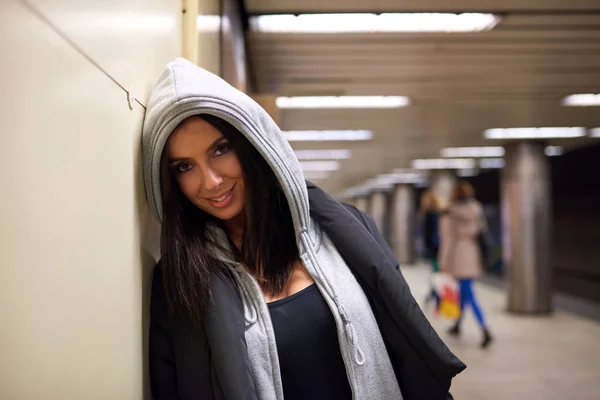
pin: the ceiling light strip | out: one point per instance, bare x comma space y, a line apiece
342, 102
312, 166
582, 100
320, 136
338, 154
444, 163
369, 23
535, 133
461, 152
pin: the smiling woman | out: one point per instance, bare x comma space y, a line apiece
213, 177
206, 168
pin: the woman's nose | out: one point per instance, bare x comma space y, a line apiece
212, 179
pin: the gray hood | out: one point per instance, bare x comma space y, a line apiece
185, 89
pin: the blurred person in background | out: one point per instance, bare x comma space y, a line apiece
460, 254
430, 212
267, 287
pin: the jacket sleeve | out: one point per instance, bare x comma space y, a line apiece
369, 223
163, 379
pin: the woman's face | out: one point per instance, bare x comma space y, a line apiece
206, 168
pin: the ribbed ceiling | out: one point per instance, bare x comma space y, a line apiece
459, 84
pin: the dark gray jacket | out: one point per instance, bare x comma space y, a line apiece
212, 363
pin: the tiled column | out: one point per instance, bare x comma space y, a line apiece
526, 215
378, 208
403, 217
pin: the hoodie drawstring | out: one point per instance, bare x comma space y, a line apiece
359, 356
357, 353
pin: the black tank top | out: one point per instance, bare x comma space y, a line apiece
310, 360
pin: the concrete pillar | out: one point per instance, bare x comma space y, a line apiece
361, 203
403, 224
442, 184
526, 215
378, 209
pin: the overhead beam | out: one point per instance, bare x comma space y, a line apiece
379, 6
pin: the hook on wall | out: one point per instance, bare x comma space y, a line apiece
130, 98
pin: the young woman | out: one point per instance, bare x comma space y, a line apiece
267, 287
460, 254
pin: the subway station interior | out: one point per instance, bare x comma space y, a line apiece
383, 102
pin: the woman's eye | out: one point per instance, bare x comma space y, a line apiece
222, 149
183, 167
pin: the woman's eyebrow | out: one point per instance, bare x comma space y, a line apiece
172, 160
214, 144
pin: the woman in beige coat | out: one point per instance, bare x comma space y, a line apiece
460, 255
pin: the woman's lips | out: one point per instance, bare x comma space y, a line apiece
222, 200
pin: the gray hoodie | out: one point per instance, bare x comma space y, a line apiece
184, 90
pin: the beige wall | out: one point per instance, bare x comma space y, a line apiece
74, 267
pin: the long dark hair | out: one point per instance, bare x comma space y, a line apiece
268, 248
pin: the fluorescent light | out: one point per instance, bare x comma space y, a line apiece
444, 163
402, 177
466, 173
364, 22
357, 191
491, 163
375, 184
552, 151
316, 175
387, 181
319, 166
488, 151
208, 23
342, 102
582, 100
312, 136
400, 171
323, 154
491, 151
534, 133
595, 132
